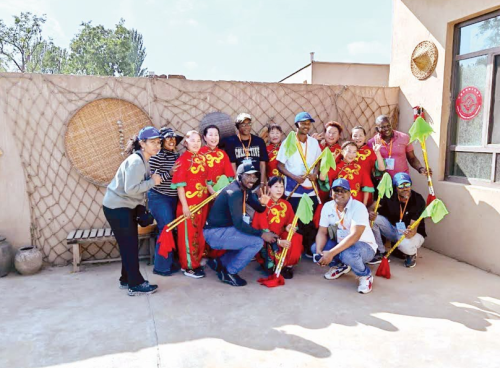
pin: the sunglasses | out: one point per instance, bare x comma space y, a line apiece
340, 190
404, 185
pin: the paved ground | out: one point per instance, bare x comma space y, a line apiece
440, 314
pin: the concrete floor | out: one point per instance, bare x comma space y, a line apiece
440, 314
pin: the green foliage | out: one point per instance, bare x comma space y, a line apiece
385, 188
290, 144
327, 162
21, 44
94, 50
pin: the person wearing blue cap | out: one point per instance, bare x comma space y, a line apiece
295, 173
123, 206
395, 215
345, 241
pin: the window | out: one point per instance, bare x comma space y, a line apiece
474, 140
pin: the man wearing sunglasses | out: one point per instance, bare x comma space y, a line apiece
345, 241
395, 215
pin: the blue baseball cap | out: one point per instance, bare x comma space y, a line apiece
401, 178
303, 116
343, 183
149, 132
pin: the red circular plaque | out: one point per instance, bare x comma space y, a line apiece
468, 103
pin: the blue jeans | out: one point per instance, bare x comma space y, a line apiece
383, 227
355, 256
241, 247
162, 207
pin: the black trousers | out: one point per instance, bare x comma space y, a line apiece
124, 225
308, 231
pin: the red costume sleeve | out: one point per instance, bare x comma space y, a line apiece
180, 171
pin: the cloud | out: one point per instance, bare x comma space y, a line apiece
175, 22
229, 40
368, 48
191, 65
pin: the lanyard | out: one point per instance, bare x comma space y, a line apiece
246, 149
402, 211
244, 202
385, 145
299, 146
341, 219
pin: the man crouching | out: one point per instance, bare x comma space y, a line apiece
228, 226
345, 240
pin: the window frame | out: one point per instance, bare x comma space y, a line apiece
487, 122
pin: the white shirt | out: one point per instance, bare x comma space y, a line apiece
355, 214
294, 163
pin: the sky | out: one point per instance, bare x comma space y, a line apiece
250, 40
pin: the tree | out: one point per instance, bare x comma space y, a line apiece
22, 44
96, 50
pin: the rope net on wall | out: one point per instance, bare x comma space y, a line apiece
38, 109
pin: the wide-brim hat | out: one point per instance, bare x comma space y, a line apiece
424, 60
169, 133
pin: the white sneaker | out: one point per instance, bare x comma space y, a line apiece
365, 284
335, 272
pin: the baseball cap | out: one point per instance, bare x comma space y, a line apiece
246, 169
343, 183
303, 116
401, 178
242, 117
149, 132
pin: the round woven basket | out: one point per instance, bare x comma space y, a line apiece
221, 120
97, 135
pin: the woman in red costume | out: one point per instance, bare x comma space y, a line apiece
217, 160
218, 164
370, 159
278, 218
191, 177
333, 130
275, 137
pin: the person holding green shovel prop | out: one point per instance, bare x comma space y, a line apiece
436, 210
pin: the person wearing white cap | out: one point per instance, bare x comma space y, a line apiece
245, 147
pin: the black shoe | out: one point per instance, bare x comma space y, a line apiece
378, 258
197, 273
287, 273
142, 289
215, 264
411, 261
231, 279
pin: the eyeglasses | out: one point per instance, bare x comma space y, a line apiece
245, 124
404, 185
340, 190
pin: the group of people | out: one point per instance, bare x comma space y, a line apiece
252, 216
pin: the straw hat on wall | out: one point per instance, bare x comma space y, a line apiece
424, 59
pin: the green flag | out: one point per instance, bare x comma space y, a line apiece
327, 162
305, 209
221, 183
436, 210
385, 188
420, 130
290, 144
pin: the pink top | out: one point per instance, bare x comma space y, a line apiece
397, 148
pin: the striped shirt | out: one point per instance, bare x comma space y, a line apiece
164, 162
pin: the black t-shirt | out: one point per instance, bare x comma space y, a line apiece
236, 150
390, 209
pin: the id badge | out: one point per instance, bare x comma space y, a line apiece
342, 234
246, 161
246, 219
389, 163
401, 227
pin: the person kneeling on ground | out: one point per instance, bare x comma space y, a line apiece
345, 240
228, 226
395, 215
